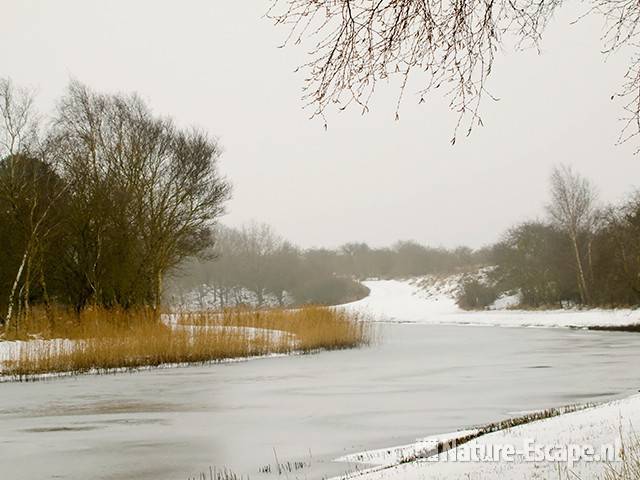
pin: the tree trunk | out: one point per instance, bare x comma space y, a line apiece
281, 298
590, 259
582, 284
14, 287
27, 286
47, 301
158, 291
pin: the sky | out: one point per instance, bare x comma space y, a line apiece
216, 64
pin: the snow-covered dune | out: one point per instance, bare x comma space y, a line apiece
408, 301
404, 301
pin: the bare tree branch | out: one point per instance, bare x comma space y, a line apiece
450, 45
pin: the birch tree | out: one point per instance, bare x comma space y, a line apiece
573, 210
28, 185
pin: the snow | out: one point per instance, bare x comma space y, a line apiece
11, 350
417, 301
506, 301
384, 457
600, 427
206, 297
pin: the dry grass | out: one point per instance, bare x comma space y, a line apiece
101, 340
313, 327
629, 466
61, 322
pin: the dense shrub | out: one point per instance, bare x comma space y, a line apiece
475, 295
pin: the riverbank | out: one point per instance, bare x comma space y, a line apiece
410, 301
585, 444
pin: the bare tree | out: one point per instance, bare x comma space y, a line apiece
27, 183
145, 194
18, 128
357, 43
258, 243
572, 209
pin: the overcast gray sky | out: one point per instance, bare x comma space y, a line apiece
215, 64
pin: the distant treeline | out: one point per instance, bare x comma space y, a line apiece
97, 207
581, 254
256, 260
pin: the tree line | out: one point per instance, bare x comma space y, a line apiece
100, 201
581, 253
254, 265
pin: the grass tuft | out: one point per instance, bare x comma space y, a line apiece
629, 466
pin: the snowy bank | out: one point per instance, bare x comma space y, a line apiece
408, 301
604, 428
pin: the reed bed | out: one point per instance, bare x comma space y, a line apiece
100, 340
312, 327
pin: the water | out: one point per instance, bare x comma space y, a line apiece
421, 380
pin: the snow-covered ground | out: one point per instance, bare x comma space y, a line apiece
208, 297
606, 429
386, 457
434, 303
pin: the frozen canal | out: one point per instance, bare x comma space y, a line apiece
421, 380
